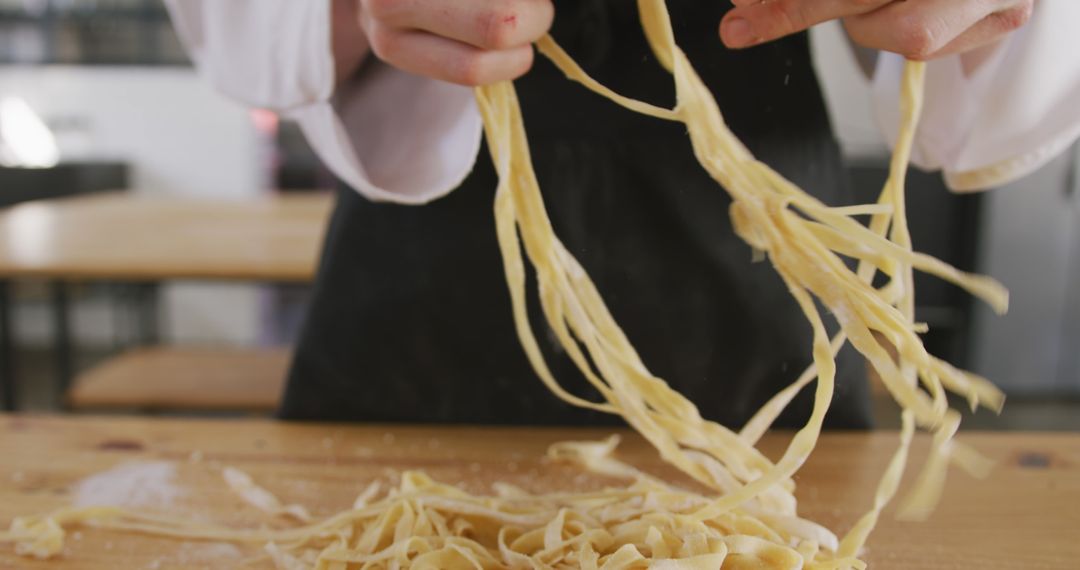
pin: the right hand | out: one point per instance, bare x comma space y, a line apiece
470, 42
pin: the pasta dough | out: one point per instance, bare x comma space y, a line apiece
803, 238
750, 518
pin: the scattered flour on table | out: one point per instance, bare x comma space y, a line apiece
199, 555
217, 553
136, 484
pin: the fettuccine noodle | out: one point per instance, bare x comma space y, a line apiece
749, 518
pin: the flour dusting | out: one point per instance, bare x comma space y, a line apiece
206, 552
136, 484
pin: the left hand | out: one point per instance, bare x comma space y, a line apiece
915, 29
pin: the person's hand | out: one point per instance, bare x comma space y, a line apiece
916, 29
471, 42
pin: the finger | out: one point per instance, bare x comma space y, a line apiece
432, 56
753, 22
989, 30
918, 30
486, 24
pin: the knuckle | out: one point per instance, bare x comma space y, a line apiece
1015, 18
379, 9
383, 42
470, 70
917, 39
498, 26
482, 68
788, 15
524, 64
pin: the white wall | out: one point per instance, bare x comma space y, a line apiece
180, 138
179, 135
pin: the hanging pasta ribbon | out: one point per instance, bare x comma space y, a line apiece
804, 239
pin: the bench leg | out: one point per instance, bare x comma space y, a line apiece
62, 355
149, 314
8, 393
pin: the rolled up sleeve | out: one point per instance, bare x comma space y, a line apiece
1013, 115
388, 134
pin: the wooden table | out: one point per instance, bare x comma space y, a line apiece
134, 238
1026, 515
122, 237
185, 378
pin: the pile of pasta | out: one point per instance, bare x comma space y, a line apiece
425, 524
749, 517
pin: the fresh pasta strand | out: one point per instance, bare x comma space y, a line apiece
749, 518
765, 213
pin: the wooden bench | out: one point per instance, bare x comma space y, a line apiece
184, 378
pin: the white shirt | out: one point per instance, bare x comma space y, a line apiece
398, 137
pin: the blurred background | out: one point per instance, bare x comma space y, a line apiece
105, 128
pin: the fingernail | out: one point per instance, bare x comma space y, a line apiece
737, 33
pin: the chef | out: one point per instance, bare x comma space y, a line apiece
410, 318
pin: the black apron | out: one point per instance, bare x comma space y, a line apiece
410, 319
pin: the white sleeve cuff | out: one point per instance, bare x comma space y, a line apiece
390, 135
272, 54
396, 137
1015, 114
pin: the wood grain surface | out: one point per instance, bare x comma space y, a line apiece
1025, 516
185, 378
125, 237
